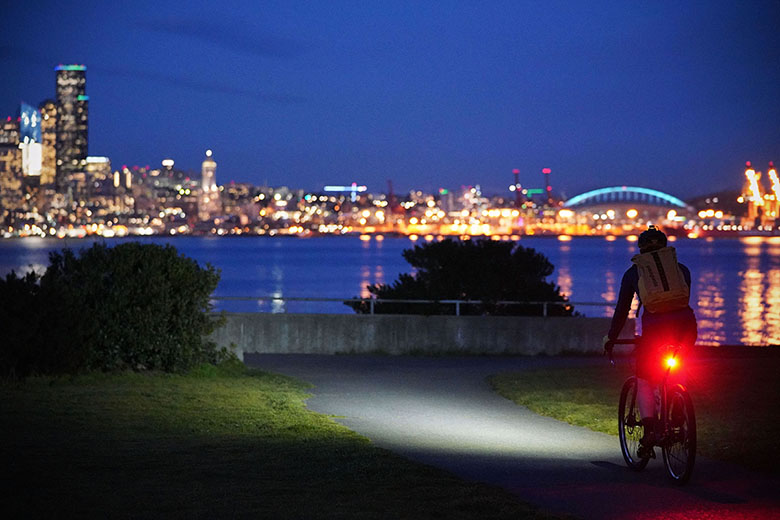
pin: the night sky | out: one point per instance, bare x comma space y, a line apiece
667, 95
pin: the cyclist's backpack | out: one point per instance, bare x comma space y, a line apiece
662, 286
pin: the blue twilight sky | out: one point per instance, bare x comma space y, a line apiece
663, 94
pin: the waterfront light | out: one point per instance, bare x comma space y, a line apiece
632, 213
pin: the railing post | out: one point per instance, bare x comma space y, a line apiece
372, 305
457, 308
544, 309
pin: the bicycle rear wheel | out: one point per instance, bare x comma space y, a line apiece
630, 427
679, 449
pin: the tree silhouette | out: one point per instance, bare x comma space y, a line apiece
479, 270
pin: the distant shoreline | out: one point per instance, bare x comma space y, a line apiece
410, 237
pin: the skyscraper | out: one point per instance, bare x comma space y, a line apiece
30, 140
48, 110
209, 203
209, 173
72, 120
10, 168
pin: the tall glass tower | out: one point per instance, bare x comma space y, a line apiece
209, 203
72, 120
208, 173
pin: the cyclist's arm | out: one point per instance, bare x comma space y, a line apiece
623, 306
686, 274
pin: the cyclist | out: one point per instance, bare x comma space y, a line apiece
658, 328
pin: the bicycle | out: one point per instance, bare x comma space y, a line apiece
677, 421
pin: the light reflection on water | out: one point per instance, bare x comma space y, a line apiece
710, 305
773, 305
612, 285
564, 270
750, 308
735, 293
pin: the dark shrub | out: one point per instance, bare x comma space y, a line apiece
486, 271
132, 306
18, 310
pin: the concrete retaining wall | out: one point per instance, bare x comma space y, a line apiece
408, 334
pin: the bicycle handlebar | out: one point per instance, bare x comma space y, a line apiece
620, 341
625, 341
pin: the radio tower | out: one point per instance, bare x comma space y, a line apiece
547, 187
518, 199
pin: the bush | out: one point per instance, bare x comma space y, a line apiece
133, 306
481, 270
18, 308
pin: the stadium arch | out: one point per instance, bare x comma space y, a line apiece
625, 195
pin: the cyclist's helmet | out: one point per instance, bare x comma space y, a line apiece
651, 239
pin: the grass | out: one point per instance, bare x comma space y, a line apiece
737, 400
218, 442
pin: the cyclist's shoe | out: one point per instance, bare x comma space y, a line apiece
648, 439
645, 449
645, 453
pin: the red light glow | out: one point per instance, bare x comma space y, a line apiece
671, 362
546, 170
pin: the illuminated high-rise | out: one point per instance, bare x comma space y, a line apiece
30, 140
48, 110
209, 203
209, 173
72, 121
10, 168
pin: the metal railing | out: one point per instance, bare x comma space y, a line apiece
373, 301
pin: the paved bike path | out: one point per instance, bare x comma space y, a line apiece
442, 412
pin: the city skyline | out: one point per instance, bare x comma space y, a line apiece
668, 97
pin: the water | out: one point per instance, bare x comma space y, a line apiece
735, 293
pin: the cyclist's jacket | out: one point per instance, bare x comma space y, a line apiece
629, 286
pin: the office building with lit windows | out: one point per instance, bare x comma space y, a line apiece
72, 121
48, 111
209, 203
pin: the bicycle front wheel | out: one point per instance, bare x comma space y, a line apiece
630, 427
679, 448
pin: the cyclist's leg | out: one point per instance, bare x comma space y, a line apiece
646, 398
647, 387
